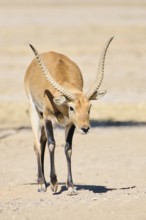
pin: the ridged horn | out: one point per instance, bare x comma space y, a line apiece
100, 73
49, 77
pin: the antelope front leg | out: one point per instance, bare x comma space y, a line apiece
68, 152
51, 145
43, 140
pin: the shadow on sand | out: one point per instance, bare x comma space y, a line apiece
100, 189
93, 188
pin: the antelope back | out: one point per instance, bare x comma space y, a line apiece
62, 69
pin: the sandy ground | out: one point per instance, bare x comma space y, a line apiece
109, 163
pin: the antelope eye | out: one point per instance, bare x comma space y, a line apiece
71, 108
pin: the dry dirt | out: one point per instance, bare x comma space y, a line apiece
109, 164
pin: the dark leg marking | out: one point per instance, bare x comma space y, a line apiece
40, 161
43, 140
41, 179
68, 153
51, 145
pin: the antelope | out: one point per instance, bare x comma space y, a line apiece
54, 87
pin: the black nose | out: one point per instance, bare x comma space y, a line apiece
85, 130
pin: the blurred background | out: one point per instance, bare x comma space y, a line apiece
78, 29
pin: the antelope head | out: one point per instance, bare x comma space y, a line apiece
78, 103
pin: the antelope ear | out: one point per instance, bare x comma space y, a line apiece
60, 100
97, 95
